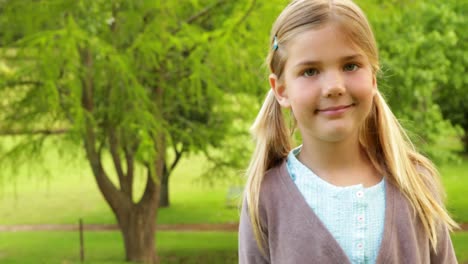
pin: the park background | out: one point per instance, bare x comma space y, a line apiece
110, 108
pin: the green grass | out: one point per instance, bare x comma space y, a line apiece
460, 242
107, 247
455, 181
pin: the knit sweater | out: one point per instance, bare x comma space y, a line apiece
294, 234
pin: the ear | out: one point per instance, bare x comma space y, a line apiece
279, 89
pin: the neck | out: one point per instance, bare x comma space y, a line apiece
341, 163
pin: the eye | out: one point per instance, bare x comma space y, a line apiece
310, 72
351, 67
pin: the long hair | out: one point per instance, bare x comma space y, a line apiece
381, 136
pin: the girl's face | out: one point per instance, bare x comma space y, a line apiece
328, 83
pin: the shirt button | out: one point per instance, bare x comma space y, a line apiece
360, 218
359, 245
360, 194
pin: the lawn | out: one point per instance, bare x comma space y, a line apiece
455, 181
460, 242
107, 247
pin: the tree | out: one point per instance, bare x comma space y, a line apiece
128, 80
417, 43
452, 97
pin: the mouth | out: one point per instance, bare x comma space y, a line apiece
334, 109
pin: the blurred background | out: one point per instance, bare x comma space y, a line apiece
132, 118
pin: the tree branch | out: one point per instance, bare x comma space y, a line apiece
178, 155
21, 83
107, 188
150, 187
246, 15
204, 12
114, 146
129, 157
200, 14
12, 132
153, 182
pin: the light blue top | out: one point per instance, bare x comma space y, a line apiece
354, 215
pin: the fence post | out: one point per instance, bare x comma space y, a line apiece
81, 241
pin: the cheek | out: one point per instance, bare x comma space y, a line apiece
363, 86
304, 101
304, 89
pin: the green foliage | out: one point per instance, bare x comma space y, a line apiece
149, 67
453, 96
421, 61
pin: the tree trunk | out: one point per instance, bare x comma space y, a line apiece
138, 226
164, 199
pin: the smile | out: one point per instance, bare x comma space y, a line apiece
333, 110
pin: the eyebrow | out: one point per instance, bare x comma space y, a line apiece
342, 59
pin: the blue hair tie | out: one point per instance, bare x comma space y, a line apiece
275, 43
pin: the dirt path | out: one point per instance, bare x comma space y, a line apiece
463, 227
228, 227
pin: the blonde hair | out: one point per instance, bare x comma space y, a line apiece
381, 136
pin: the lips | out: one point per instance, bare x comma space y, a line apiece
335, 108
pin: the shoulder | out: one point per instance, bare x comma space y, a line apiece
274, 175
274, 192
273, 182
401, 210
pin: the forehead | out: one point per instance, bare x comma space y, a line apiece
326, 44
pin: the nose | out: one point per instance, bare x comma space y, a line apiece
333, 84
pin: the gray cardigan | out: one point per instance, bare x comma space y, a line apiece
296, 235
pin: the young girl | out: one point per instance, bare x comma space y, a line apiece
355, 191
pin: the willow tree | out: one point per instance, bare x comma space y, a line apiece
129, 80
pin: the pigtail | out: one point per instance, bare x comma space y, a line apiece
272, 146
392, 152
